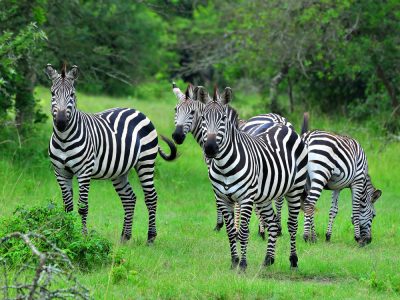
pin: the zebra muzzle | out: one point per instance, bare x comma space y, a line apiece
61, 121
178, 135
211, 147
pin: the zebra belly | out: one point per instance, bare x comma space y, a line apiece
132, 139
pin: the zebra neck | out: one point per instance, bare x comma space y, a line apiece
75, 126
196, 125
231, 147
197, 130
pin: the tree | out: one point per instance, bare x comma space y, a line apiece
21, 42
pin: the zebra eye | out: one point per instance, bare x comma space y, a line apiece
223, 117
53, 94
72, 94
192, 112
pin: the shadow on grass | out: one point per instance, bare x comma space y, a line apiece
303, 277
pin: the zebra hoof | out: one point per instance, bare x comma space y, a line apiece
269, 261
242, 266
125, 237
293, 262
279, 232
150, 238
309, 239
328, 237
218, 226
357, 238
262, 234
68, 209
235, 262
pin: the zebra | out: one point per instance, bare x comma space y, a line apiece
187, 119
104, 145
336, 162
253, 170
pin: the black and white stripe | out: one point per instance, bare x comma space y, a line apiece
253, 170
105, 145
336, 162
187, 119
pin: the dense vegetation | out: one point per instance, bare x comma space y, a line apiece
341, 56
59, 228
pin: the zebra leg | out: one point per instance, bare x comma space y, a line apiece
243, 236
318, 181
83, 207
128, 199
261, 228
220, 218
145, 172
332, 213
356, 190
66, 191
227, 210
269, 221
237, 217
294, 205
278, 206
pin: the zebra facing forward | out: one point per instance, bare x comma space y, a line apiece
105, 145
336, 162
253, 170
187, 119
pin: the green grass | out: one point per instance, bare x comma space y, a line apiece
189, 259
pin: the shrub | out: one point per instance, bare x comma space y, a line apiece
60, 228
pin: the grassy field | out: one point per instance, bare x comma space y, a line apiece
189, 259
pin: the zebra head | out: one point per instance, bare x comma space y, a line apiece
63, 101
186, 112
214, 121
367, 209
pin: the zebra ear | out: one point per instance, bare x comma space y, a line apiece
50, 72
376, 195
73, 73
202, 95
178, 93
189, 92
226, 96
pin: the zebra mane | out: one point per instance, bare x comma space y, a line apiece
234, 116
63, 70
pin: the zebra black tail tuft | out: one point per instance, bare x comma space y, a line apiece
172, 147
304, 127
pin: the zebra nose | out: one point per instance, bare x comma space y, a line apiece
61, 120
178, 135
211, 147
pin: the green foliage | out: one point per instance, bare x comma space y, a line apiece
61, 229
122, 269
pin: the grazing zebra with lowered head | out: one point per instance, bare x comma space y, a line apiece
253, 170
187, 119
336, 162
104, 145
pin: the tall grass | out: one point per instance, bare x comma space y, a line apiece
189, 259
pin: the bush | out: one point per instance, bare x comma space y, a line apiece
60, 228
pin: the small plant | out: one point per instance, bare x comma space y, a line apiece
122, 269
61, 229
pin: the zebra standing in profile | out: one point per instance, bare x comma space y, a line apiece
336, 162
105, 145
253, 170
187, 119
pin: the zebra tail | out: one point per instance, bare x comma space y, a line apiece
304, 127
171, 146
